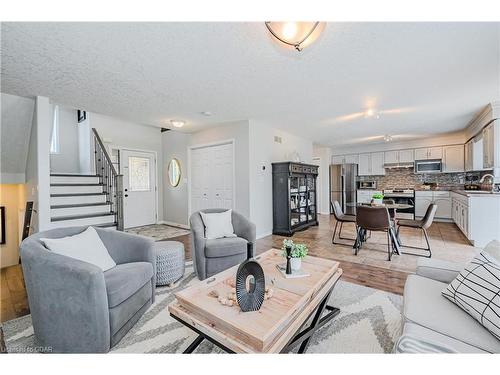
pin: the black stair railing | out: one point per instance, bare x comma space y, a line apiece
110, 179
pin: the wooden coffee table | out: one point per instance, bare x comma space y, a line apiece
280, 325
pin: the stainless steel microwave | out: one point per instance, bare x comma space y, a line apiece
428, 166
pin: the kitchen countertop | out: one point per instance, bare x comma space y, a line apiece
476, 193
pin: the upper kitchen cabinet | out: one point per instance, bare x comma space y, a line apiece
351, 159
371, 164
453, 159
377, 164
469, 156
338, 159
474, 154
429, 153
406, 156
491, 145
391, 156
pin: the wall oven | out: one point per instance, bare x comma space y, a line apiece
428, 166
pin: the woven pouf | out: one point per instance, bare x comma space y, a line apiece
169, 262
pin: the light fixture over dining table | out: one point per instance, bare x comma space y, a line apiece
295, 34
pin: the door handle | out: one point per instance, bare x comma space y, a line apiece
126, 195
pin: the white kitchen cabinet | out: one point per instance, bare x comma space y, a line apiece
453, 159
477, 154
421, 153
429, 153
441, 198
489, 146
377, 164
391, 156
435, 153
364, 168
469, 156
338, 159
406, 156
351, 159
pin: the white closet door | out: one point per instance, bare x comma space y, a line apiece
212, 177
222, 178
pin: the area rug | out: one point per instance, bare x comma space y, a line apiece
369, 322
158, 232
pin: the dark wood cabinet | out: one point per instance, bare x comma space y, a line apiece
294, 197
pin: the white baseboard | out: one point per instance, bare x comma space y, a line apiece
262, 235
171, 223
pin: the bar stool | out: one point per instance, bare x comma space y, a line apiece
341, 218
423, 224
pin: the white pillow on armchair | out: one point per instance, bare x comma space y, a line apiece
218, 224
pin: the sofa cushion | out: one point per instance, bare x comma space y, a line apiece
477, 291
428, 341
124, 280
493, 249
439, 270
424, 305
223, 247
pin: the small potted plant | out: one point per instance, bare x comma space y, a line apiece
377, 198
298, 252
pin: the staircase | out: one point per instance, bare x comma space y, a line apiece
82, 199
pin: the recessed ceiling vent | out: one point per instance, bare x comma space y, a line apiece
277, 139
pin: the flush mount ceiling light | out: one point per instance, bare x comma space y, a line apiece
177, 123
295, 34
387, 138
372, 113
206, 113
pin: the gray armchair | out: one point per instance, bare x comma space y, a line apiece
75, 306
213, 256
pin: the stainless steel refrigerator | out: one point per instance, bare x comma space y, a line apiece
343, 187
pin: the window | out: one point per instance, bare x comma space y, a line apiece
138, 176
54, 140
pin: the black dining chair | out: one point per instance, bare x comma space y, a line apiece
375, 219
423, 225
341, 218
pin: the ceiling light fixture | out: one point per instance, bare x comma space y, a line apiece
295, 34
387, 138
372, 113
206, 113
177, 123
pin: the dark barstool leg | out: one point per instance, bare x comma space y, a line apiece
427, 240
334, 231
389, 244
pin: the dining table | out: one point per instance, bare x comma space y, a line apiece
392, 208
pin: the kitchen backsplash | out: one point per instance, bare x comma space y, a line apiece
406, 178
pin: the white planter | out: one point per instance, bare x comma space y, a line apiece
377, 201
295, 263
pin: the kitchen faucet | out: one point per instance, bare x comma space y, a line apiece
492, 180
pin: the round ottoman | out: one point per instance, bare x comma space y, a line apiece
169, 262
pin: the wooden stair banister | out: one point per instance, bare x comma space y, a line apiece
109, 177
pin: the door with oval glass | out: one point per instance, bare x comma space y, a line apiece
139, 188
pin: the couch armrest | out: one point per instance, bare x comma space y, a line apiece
67, 299
128, 248
244, 228
438, 270
198, 242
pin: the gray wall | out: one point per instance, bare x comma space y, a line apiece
175, 207
66, 161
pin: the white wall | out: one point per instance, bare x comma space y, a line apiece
263, 152
123, 134
175, 199
325, 154
37, 166
67, 160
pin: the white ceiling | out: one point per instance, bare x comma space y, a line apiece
425, 78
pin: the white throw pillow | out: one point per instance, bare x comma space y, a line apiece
493, 249
86, 246
477, 291
218, 225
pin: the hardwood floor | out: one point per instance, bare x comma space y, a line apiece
370, 268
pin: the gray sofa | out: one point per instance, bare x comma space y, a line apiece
216, 255
435, 324
77, 308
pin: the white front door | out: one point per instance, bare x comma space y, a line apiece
212, 177
139, 188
